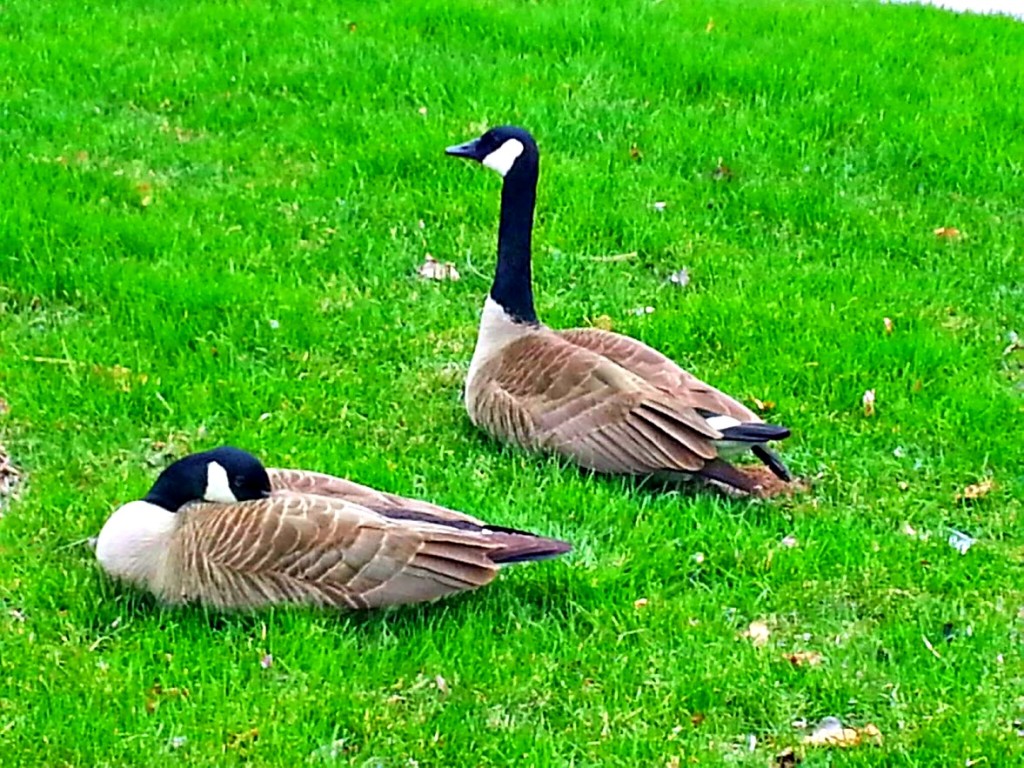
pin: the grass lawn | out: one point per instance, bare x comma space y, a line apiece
214, 214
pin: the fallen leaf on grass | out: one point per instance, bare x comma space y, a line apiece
432, 269
640, 602
831, 733
947, 232
787, 758
145, 191
722, 171
763, 405
635, 153
758, 633
158, 693
680, 277
803, 658
887, 322
243, 740
869, 403
976, 490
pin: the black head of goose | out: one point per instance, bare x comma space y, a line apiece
606, 401
218, 529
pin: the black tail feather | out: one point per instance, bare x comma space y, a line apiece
773, 462
521, 547
755, 432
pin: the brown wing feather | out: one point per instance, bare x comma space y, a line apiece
657, 369
544, 392
322, 551
304, 481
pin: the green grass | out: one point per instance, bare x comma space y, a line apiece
176, 176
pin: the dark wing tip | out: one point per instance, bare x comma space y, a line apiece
755, 433
521, 547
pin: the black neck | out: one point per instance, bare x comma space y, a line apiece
512, 287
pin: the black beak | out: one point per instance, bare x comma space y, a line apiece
469, 149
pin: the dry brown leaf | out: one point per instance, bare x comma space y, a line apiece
432, 269
722, 171
763, 405
145, 192
831, 733
243, 739
869, 403
948, 232
977, 490
803, 658
635, 153
697, 718
758, 633
640, 602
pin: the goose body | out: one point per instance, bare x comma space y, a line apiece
608, 402
302, 538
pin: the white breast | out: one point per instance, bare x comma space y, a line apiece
134, 542
497, 330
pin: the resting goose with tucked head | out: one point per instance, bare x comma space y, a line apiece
220, 530
606, 401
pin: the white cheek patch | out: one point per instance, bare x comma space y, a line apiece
504, 157
217, 486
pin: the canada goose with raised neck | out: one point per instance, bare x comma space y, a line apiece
606, 401
218, 529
